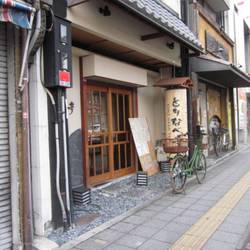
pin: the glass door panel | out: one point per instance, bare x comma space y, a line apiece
121, 133
98, 134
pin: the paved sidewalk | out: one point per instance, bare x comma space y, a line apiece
160, 224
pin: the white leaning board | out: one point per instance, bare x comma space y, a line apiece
144, 145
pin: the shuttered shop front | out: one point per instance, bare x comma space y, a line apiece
5, 190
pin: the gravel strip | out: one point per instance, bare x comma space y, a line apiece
111, 201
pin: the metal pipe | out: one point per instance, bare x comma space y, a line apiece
27, 204
25, 54
26, 165
58, 188
65, 149
237, 139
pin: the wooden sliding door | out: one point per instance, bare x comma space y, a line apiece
109, 149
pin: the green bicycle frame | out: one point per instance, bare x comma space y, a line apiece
194, 161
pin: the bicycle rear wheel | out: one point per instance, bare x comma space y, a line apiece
201, 169
218, 146
178, 174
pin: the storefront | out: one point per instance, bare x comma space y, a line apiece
98, 125
115, 67
216, 80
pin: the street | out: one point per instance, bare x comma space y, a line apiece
214, 215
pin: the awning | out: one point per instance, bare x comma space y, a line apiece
16, 13
183, 82
158, 14
219, 71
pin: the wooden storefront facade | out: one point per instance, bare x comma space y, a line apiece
107, 141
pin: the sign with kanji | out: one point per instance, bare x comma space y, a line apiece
176, 112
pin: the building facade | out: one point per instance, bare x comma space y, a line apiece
215, 74
114, 60
117, 59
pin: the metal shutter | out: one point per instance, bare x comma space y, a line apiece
5, 191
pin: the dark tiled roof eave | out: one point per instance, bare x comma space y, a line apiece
155, 12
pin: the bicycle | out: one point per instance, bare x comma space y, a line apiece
216, 140
220, 141
182, 167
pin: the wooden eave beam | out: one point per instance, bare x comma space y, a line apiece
72, 3
152, 36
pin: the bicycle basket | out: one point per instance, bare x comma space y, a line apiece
175, 145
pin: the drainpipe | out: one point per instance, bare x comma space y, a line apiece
236, 89
27, 207
238, 117
66, 160
185, 71
26, 165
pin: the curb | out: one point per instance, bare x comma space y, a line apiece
72, 243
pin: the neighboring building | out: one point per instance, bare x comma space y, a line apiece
242, 59
215, 74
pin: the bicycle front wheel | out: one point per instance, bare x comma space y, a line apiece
201, 169
178, 174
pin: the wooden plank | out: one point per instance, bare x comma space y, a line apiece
110, 126
94, 161
152, 36
117, 112
144, 145
119, 155
73, 3
102, 160
123, 109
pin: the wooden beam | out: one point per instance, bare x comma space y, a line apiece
72, 3
152, 36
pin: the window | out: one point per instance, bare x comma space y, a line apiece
220, 19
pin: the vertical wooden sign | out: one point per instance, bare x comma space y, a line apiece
176, 112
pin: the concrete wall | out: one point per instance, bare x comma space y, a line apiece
240, 42
240, 53
151, 105
41, 187
123, 29
74, 124
230, 20
103, 67
74, 96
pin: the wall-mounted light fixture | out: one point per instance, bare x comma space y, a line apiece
105, 11
71, 107
170, 45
